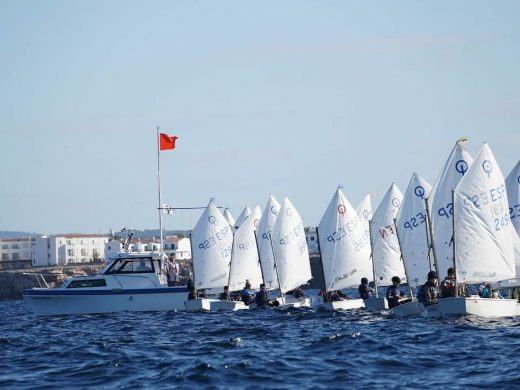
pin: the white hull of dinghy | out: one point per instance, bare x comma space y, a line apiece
482, 307
289, 301
199, 304
228, 306
347, 304
409, 309
58, 301
376, 304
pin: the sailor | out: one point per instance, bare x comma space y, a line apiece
448, 288
516, 294
261, 298
173, 271
365, 292
484, 291
394, 295
224, 296
247, 295
430, 290
298, 293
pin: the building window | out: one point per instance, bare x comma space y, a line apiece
312, 238
15, 246
70, 252
16, 256
69, 242
5, 256
84, 252
5, 246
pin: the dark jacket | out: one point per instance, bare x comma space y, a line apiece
364, 291
261, 298
393, 294
448, 288
224, 296
247, 296
431, 294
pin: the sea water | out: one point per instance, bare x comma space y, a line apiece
264, 348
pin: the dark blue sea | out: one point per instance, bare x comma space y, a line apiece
267, 348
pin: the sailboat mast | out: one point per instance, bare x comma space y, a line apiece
159, 189
453, 238
429, 231
404, 263
259, 261
372, 256
275, 267
321, 261
193, 267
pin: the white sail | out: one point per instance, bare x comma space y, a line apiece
513, 196
412, 231
242, 217
229, 217
344, 245
265, 228
441, 207
364, 212
385, 252
212, 241
244, 261
484, 246
290, 248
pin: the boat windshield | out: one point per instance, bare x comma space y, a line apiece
126, 266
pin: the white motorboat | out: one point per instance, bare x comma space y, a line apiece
128, 283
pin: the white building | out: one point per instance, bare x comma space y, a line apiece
312, 240
15, 252
68, 249
178, 246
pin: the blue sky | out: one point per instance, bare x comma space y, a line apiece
290, 98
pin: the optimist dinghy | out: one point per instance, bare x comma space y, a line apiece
411, 227
291, 255
212, 241
386, 255
244, 264
482, 238
344, 246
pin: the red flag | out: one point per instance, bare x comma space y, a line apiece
166, 142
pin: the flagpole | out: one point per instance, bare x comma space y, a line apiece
159, 186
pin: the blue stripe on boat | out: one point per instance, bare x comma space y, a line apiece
70, 291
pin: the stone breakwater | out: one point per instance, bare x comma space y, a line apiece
13, 283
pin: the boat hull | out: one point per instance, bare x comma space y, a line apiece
409, 309
376, 304
289, 301
64, 301
347, 304
199, 304
228, 306
482, 307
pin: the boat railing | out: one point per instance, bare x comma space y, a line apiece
39, 278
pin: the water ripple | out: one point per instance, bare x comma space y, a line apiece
283, 349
